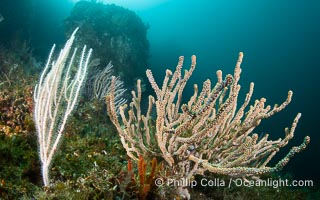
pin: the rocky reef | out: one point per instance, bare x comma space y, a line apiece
116, 34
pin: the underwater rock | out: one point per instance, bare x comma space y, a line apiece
116, 34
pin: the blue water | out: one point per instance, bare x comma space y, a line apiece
280, 41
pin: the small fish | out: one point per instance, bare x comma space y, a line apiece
1, 18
